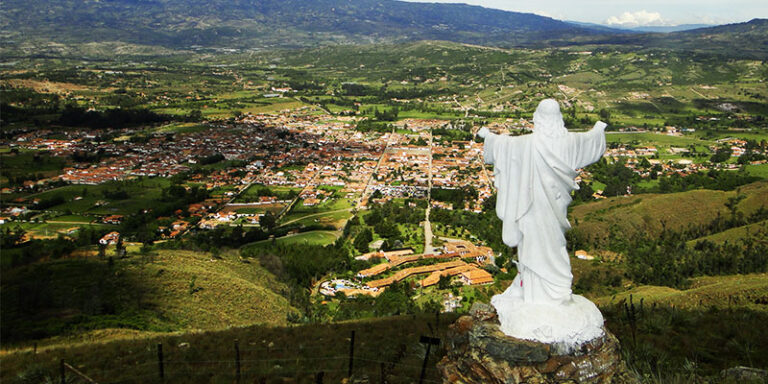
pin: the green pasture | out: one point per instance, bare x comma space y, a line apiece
142, 194
760, 170
308, 238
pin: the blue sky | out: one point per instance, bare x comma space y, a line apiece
634, 12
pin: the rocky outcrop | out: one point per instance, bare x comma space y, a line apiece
479, 352
745, 375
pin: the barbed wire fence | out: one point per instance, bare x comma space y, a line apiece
304, 363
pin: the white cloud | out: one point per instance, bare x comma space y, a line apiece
542, 13
553, 15
635, 19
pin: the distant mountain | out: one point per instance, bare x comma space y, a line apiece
601, 27
671, 28
645, 29
273, 23
748, 40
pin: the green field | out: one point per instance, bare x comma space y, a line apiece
309, 238
142, 194
333, 218
254, 191
29, 164
181, 128
760, 171
53, 229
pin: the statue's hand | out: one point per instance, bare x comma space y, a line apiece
600, 125
483, 132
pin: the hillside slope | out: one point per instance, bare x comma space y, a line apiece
653, 212
265, 23
389, 348
176, 291
755, 229
748, 291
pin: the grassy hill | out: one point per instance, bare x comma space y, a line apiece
749, 291
169, 290
736, 233
653, 212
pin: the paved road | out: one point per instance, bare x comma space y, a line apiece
288, 208
428, 249
375, 171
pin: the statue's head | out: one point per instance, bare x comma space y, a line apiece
547, 120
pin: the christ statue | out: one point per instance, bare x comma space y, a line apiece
534, 176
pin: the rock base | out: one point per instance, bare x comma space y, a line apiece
479, 352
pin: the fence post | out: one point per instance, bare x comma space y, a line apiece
381, 377
429, 341
351, 353
62, 372
160, 370
237, 361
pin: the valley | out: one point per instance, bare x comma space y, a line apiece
157, 191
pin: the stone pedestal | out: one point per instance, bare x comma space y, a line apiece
479, 352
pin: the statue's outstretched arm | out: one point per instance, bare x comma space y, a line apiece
598, 125
588, 147
488, 145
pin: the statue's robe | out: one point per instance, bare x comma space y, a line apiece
534, 177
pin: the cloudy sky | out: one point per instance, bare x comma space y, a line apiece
634, 12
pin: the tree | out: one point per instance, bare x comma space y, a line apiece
373, 218
444, 282
268, 221
195, 115
605, 115
387, 229
584, 193
120, 248
722, 154
395, 300
363, 239
11, 238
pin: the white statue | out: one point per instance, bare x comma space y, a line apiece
534, 176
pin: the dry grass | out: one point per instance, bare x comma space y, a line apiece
43, 86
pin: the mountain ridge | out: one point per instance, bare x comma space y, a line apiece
268, 23
33, 26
